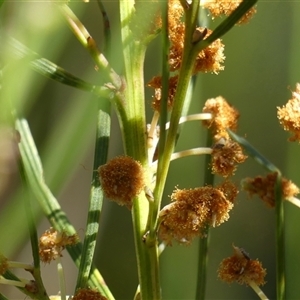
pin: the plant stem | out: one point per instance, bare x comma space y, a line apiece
280, 242
183, 83
203, 241
49, 204
133, 126
96, 194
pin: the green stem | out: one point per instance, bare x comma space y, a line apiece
280, 242
2, 297
204, 241
133, 126
185, 74
96, 196
49, 204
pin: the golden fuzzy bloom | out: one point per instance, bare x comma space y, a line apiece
211, 58
208, 60
155, 83
122, 178
289, 115
191, 212
226, 7
224, 116
224, 158
175, 15
229, 189
88, 294
3, 264
52, 243
242, 269
264, 187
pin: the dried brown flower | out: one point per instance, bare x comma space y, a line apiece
224, 116
241, 269
156, 83
88, 294
289, 115
224, 159
264, 187
122, 178
191, 212
226, 7
53, 242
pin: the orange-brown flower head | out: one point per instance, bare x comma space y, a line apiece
264, 187
289, 115
226, 7
229, 189
3, 264
122, 179
208, 60
156, 83
211, 58
191, 212
224, 116
240, 268
52, 243
225, 156
88, 294
175, 15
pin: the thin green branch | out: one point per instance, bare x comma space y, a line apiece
48, 202
204, 241
280, 240
53, 71
36, 272
279, 212
96, 194
89, 43
227, 24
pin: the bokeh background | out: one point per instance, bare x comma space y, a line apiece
262, 67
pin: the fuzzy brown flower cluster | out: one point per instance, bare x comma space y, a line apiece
208, 60
226, 153
226, 7
53, 242
224, 116
289, 115
225, 156
156, 83
193, 210
122, 178
264, 187
241, 269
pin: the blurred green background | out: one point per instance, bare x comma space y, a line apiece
261, 68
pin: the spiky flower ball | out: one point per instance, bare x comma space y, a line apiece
207, 60
53, 242
289, 115
122, 179
88, 294
156, 83
225, 157
264, 187
191, 212
241, 269
224, 116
